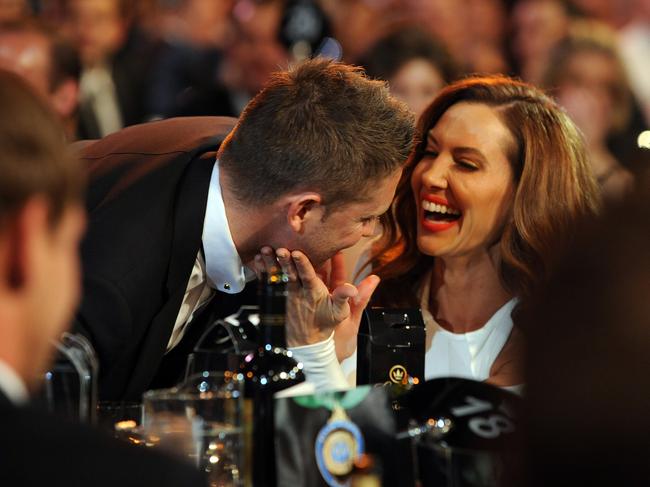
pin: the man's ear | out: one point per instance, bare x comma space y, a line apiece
28, 225
304, 208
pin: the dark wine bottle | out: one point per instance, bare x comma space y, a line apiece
270, 369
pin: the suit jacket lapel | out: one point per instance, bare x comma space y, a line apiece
186, 240
188, 221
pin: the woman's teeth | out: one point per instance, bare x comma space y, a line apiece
437, 208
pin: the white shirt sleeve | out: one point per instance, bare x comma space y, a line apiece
321, 367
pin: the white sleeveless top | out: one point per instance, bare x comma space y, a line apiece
466, 355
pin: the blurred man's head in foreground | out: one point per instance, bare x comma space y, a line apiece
41, 221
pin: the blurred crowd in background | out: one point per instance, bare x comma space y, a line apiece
106, 64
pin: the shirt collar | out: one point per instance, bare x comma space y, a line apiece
12, 384
225, 270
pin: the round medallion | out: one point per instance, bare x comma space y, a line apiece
337, 445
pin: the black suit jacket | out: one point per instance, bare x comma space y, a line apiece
37, 449
146, 203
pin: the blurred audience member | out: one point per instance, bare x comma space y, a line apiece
359, 24
631, 20
250, 39
634, 44
614, 13
255, 51
13, 10
196, 22
46, 61
41, 222
538, 26
116, 60
306, 31
588, 399
486, 21
473, 31
589, 80
415, 65
185, 79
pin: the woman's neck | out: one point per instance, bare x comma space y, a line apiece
466, 291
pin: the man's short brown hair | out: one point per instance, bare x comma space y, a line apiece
321, 126
34, 157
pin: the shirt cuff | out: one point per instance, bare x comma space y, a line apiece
320, 365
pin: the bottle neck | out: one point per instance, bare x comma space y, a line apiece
273, 305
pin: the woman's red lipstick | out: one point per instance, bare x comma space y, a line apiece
435, 226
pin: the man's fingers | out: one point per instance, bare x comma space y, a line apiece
346, 333
338, 274
270, 262
288, 267
258, 266
306, 271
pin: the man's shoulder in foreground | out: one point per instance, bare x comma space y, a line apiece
38, 449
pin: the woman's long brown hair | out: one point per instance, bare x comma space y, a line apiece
554, 190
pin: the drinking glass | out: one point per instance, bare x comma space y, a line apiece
70, 386
116, 414
201, 420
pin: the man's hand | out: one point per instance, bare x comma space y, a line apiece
315, 309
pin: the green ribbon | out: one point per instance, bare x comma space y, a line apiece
345, 399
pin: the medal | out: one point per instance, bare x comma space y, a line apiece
339, 442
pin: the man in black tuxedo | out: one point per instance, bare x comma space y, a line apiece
41, 222
179, 209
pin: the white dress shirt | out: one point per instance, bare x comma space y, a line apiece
12, 385
220, 269
225, 269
